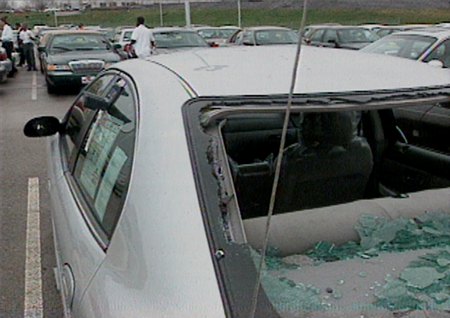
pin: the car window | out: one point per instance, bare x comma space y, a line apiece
102, 170
330, 36
77, 118
440, 53
247, 38
317, 35
407, 46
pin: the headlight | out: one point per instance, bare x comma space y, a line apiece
58, 67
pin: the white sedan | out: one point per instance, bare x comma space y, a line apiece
161, 177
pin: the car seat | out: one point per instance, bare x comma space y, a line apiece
329, 165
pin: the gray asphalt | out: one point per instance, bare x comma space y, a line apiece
22, 158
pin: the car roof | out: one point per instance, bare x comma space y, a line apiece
58, 32
265, 27
437, 32
173, 29
267, 70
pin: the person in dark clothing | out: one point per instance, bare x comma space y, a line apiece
7, 42
20, 45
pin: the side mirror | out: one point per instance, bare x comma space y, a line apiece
41, 49
307, 40
117, 46
42, 127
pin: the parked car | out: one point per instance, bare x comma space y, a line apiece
263, 35
123, 37
160, 188
426, 45
217, 36
5, 65
75, 57
389, 29
343, 37
172, 38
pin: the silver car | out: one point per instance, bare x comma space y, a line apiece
161, 178
430, 44
5, 65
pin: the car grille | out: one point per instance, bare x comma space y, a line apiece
84, 66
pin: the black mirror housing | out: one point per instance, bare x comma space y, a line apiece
42, 127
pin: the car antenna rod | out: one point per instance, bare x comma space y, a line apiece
278, 164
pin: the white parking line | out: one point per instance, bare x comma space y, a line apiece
33, 307
34, 87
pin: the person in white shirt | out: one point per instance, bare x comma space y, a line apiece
142, 39
28, 46
7, 42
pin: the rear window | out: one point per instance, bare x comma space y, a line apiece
360, 216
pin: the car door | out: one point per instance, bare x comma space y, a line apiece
89, 179
410, 165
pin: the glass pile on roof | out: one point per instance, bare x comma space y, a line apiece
369, 274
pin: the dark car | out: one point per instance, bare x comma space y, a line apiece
343, 37
75, 57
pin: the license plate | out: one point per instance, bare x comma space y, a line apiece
87, 79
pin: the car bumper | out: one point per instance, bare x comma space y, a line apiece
69, 78
3, 74
7, 64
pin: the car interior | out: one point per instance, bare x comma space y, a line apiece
336, 168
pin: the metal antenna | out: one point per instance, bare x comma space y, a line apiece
278, 164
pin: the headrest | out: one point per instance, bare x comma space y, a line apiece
327, 129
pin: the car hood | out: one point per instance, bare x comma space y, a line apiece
61, 58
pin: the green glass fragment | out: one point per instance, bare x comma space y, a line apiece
420, 277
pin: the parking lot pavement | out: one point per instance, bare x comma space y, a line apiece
27, 284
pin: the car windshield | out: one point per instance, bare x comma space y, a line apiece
407, 46
357, 35
78, 42
177, 39
265, 37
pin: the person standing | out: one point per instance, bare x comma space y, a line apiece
28, 47
7, 42
20, 45
142, 39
